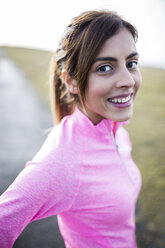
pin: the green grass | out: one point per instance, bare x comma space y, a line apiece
147, 134
148, 138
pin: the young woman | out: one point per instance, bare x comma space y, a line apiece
84, 172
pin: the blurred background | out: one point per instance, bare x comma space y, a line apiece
30, 31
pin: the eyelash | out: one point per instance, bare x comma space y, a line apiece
133, 62
104, 66
99, 69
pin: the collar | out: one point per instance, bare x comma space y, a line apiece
105, 126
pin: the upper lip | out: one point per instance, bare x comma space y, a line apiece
122, 95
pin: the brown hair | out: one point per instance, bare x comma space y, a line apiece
78, 48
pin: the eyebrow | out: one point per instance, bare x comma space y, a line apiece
114, 59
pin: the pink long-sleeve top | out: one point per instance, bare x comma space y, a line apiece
84, 173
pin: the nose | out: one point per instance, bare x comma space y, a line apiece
125, 79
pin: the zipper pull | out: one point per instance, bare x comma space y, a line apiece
113, 139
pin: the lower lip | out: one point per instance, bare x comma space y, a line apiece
122, 105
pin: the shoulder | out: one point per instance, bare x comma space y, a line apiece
61, 153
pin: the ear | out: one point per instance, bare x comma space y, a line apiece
70, 82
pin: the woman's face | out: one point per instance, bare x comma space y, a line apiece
113, 80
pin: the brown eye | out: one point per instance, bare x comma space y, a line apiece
132, 65
104, 68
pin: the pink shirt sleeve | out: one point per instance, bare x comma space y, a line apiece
44, 188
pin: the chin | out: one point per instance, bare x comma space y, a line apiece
124, 117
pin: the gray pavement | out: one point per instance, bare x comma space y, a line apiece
23, 121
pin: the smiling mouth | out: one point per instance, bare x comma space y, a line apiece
120, 100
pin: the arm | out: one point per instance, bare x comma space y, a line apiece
46, 187
28, 198
40, 191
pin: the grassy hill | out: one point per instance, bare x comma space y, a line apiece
147, 134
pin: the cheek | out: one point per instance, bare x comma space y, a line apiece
98, 87
138, 81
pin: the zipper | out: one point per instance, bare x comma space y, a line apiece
121, 157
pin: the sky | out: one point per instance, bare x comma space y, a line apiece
40, 23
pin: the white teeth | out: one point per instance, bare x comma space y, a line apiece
120, 100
